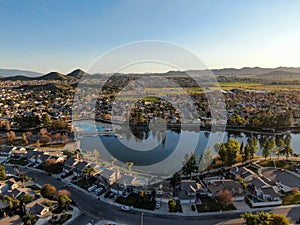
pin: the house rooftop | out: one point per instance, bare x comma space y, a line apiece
234, 187
107, 173
126, 180
81, 165
269, 191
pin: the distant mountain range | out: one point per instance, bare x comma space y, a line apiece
9, 72
257, 72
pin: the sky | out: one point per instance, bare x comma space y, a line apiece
62, 35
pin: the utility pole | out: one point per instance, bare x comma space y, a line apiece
142, 218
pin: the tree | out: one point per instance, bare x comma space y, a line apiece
224, 197
2, 173
233, 147
172, 205
62, 192
26, 198
46, 119
24, 179
88, 171
221, 149
287, 139
175, 180
189, 164
48, 191
51, 166
10, 137
28, 219
260, 218
280, 144
24, 138
264, 218
252, 147
287, 151
96, 153
142, 196
64, 201
228, 151
245, 155
206, 159
279, 220
266, 152
12, 202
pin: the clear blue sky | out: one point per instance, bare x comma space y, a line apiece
62, 35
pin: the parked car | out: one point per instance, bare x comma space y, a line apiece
107, 194
92, 188
125, 208
157, 205
99, 190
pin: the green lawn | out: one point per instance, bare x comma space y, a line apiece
211, 205
279, 164
85, 183
291, 198
134, 200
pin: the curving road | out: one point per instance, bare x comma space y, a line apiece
96, 209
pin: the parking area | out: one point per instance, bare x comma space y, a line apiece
283, 176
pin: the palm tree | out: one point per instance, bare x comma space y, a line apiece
88, 171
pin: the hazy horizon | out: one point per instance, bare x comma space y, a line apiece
46, 36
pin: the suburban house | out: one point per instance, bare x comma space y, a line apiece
18, 193
242, 172
5, 152
79, 168
18, 153
9, 184
39, 208
235, 187
69, 164
58, 158
163, 191
122, 184
42, 158
110, 176
263, 194
32, 156
187, 191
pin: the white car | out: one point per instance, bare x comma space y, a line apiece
92, 188
125, 208
99, 190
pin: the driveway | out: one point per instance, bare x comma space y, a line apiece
284, 177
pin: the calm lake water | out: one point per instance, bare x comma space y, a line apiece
150, 148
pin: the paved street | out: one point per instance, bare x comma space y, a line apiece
93, 208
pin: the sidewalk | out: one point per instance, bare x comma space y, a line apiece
75, 214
